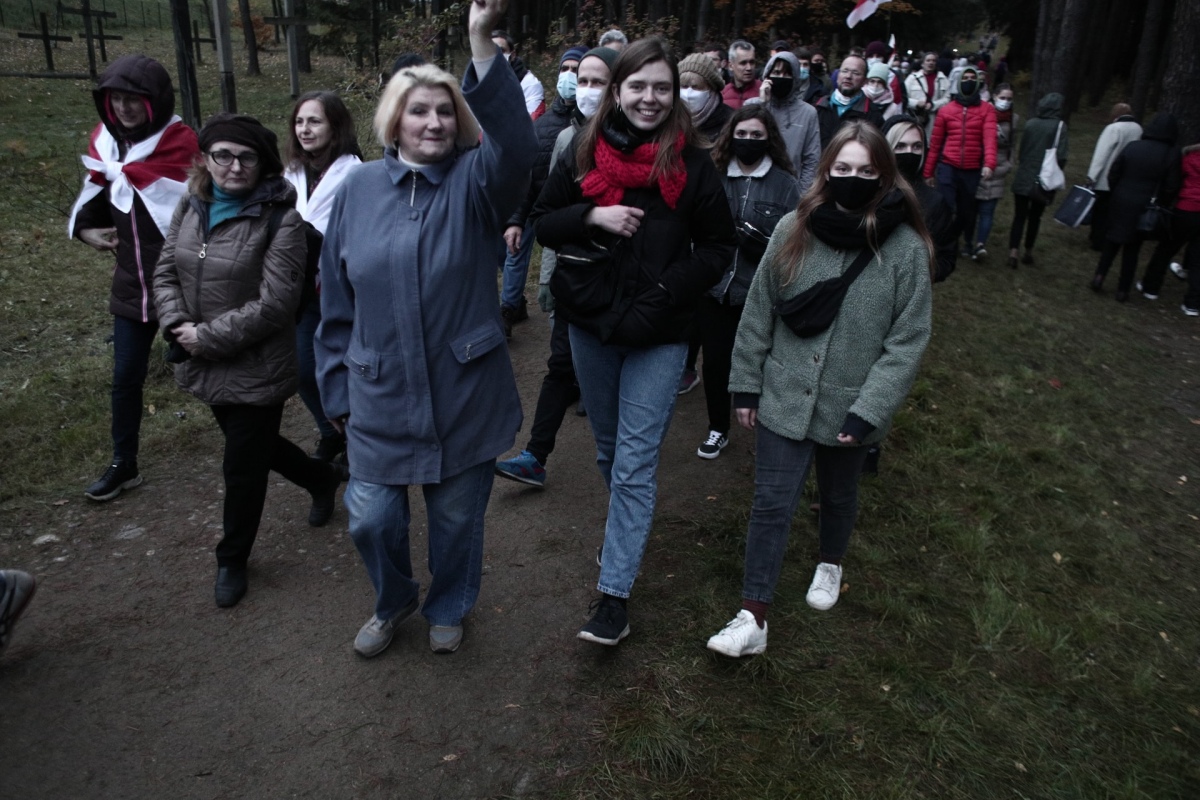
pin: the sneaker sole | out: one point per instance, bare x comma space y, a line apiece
448, 647
753, 651
520, 479
710, 456
591, 637
396, 622
132, 483
688, 389
811, 604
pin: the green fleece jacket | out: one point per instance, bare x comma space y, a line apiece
865, 362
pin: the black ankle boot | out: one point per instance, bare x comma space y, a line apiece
231, 585
324, 497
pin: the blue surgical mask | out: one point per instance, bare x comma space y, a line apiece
804, 73
566, 85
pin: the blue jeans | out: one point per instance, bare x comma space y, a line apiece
516, 270
306, 362
780, 467
379, 520
987, 213
630, 395
132, 340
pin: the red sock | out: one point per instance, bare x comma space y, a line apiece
758, 609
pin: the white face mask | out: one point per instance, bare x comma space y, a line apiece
588, 100
874, 92
873, 60
1003, 105
694, 99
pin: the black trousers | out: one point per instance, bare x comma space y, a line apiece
1100, 220
1129, 261
1027, 217
719, 324
1185, 232
559, 391
253, 447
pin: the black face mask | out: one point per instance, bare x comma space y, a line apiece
749, 151
781, 86
968, 88
909, 165
818, 68
852, 193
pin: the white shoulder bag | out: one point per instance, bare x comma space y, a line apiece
1050, 176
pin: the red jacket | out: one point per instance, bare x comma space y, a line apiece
735, 97
1189, 193
963, 137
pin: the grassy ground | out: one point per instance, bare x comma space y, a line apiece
1020, 613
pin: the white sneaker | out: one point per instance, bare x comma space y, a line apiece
826, 586
1178, 271
740, 637
1146, 294
1191, 312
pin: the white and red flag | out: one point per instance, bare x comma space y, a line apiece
862, 10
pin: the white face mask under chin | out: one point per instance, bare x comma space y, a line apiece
587, 100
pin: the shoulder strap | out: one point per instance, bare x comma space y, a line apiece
1057, 133
274, 221
858, 265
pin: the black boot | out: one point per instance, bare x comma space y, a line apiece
121, 475
324, 496
330, 447
231, 585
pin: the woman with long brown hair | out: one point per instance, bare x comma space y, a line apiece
818, 376
643, 230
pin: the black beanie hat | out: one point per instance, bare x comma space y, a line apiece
244, 130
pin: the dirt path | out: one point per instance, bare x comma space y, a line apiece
124, 680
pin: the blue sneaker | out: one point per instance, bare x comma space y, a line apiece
524, 468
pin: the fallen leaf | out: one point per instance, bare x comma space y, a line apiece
1020, 767
1164, 636
151, 409
1057, 558
450, 757
886, 687
1055, 383
711, 497
512, 705
1183, 478
61, 502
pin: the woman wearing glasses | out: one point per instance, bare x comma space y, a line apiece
227, 287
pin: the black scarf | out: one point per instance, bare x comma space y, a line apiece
845, 231
618, 131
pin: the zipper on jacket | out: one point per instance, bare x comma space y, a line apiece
137, 257
962, 147
200, 267
412, 199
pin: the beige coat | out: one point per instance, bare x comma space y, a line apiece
242, 295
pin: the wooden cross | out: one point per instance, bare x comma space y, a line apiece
198, 40
291, 24
46, 40
101, 37
85, 11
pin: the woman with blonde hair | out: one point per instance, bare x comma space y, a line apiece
411, 357
831, 337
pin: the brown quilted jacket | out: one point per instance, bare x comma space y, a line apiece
242, 295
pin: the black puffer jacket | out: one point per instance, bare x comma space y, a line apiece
1145, 169
546, 128
939, 219
664, 269
138, 238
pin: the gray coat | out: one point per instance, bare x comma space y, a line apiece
863, 364
798, 124
242, 295
993, 188
410, 344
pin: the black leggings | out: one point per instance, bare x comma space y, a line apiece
1025, 209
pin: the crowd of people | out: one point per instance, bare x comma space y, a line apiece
786, 223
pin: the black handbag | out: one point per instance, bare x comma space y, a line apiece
815, 309
1155, 221
585, 280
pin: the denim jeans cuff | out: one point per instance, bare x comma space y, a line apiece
600, 587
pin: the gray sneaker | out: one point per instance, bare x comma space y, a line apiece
375, 636
445, 638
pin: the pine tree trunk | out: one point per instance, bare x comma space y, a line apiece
1183, 65
1147, 56
251, 41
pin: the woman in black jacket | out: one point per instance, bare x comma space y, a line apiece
642, 230
906, 137
760, 185
1146, 170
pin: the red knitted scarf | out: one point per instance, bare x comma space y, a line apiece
616, 171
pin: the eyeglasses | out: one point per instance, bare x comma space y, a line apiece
224, 158
852, 73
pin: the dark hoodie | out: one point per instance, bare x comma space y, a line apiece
1146, 169
1037, 137
138, 237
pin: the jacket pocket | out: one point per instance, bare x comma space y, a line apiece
476, 342
361, 362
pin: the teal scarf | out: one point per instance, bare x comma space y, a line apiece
224, 206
